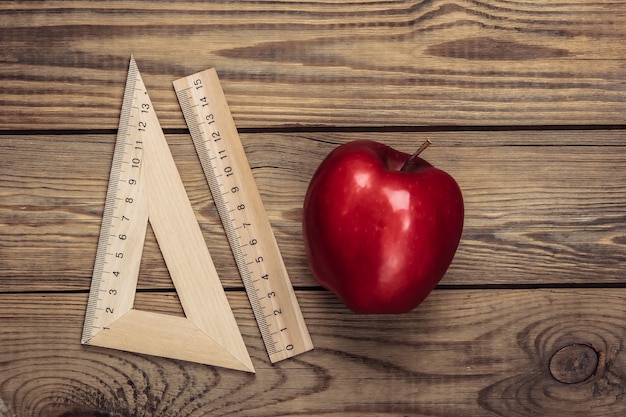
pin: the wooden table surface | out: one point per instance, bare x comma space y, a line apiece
524, 102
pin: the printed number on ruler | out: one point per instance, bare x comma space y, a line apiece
242, 213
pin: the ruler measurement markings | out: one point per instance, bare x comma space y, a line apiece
119, 231
240, 207
114, 232
219, 191
204, 152
107, 218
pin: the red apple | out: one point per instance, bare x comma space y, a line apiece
380, 226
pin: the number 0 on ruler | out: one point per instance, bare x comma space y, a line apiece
242, 213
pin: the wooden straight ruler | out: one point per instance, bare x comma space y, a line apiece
243, 216
145, 185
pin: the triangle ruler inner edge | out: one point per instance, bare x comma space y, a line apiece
144, 186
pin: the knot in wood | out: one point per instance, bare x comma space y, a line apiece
574, 363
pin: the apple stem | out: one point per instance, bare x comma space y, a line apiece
410, 162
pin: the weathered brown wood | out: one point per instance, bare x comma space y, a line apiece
545, 207
319, 63
462, 353
534, 214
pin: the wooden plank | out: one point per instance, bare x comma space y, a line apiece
462, 353
534, 214
331, 63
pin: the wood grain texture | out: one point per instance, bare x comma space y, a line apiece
462, 353
528, 321
331, 63
535, 214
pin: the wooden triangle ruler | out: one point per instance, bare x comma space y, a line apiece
144, 186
